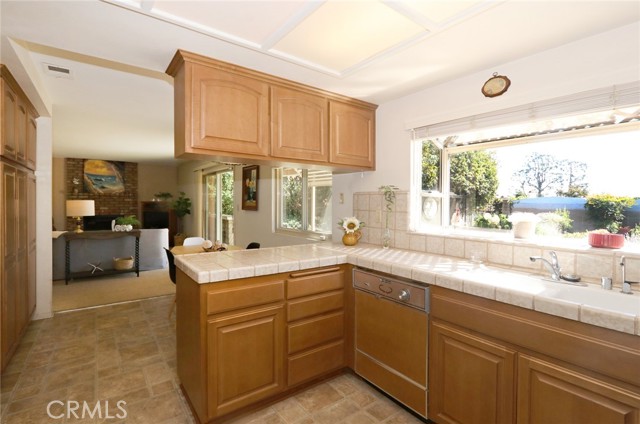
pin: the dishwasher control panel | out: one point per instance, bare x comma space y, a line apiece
398, 290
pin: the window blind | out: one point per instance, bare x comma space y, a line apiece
622, 101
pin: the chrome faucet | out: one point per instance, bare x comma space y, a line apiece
553, 266
626, 285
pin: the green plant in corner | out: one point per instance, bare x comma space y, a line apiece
182, 207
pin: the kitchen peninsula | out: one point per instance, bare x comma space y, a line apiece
530, 355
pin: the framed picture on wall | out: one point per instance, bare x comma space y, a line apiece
103, 176
250, 188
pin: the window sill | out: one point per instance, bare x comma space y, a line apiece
308, 235
506, 237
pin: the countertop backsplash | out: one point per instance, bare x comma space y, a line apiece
579, 258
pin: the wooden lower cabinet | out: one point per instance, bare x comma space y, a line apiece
247, 342
490, 362
550, 393
245, 358
18, 255
472, 380
316, 324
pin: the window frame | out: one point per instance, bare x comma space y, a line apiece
416, 223
279, 206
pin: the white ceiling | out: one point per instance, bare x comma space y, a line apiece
118, 104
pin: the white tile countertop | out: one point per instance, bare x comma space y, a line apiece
591, 304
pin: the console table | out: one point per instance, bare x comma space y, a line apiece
99, 235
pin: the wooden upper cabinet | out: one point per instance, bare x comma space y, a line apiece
31, 139
352, 135
21, 131
299, 125
18, 136
229, 112
9, 121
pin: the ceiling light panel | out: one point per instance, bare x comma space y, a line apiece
341, 34
252, 21
439, 11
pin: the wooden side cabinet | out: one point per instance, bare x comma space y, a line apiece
160, 215
245, 342
244, 358
498, 363
472, 379
549, 393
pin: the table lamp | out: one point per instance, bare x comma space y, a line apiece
79, 208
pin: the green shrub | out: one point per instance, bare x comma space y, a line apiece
607, 211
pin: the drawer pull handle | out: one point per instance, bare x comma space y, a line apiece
315, 272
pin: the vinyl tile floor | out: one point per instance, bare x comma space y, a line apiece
127, 352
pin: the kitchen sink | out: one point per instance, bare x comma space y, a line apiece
597, 298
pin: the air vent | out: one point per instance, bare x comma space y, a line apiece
57, 71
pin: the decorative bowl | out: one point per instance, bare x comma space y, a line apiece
610, 241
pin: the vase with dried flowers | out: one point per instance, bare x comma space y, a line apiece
389, 194
351, 227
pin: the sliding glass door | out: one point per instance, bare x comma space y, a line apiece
218, 206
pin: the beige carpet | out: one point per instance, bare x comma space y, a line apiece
87, 292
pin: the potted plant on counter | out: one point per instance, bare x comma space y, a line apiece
182, 207
126, 223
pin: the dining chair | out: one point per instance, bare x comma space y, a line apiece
172, 275
193, 241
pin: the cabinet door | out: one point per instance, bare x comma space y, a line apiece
230, 113
352, 135
472, 380
9, 121
299, 125
22, 243
9, 263
31, 139
21, 131
245, 358
550, 393
31, 246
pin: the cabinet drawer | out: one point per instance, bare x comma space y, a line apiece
244, 297
315, 305
315, 363
315, 283
316, 331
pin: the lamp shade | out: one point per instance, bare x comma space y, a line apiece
81, 208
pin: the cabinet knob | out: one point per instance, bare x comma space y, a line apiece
404, 295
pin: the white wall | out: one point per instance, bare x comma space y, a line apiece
249, 225
44, 247
599, 61
155, 178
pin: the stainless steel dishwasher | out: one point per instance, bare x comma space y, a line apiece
391, 325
